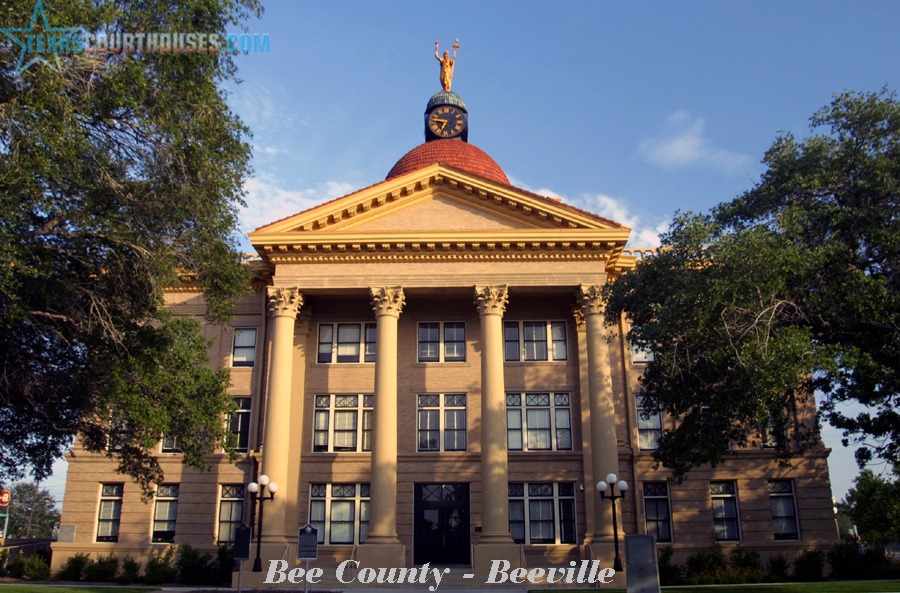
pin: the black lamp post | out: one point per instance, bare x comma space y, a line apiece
610, 485
253, 488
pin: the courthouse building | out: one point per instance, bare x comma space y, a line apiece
426, 372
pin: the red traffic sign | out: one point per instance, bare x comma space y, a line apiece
5, 497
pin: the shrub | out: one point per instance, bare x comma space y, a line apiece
808, 565
669, 573
777, 567
224, 564
16, 567
161, 569
744, 559
102, 569
194, 566
131, 571
706, 563
73, 568
4, 559
35, 568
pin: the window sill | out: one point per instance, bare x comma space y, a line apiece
437, 364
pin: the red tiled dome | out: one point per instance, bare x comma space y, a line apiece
454, 153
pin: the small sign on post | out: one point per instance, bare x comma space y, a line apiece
307, 543
242, 542
5, 497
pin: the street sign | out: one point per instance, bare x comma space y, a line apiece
307, 543
242, 543
5, 497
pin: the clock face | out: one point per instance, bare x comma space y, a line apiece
447, 121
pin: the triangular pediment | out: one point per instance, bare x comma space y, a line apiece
439, 198
439, 209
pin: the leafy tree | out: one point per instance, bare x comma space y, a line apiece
120, 174
32, 511
873, 504
789, 289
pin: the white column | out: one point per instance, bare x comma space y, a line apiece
284, 304
491, 302
388, 303
604, 446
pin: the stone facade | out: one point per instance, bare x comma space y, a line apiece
431, 373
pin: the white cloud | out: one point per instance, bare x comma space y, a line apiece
269, 150
268, 202
642, 234
683, 142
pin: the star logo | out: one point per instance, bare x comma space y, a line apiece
42, 42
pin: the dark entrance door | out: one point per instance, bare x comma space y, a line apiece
441, 524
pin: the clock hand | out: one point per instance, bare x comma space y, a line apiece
443, 123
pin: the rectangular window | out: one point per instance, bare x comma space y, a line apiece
109, 513
649, 426
346, 342
534, 340
170, 444
164, 513
442, 414
656, 510
340, 512
337, 426
442, 341
726, 525
231, 511
243, 351
239, 423
784, 509
538, 422
542, 513
640, 355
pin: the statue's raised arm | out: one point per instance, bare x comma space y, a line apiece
447, 64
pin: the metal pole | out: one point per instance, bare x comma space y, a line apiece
257, 564
617, 564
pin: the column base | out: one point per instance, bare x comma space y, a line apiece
486, 554
603, 549
372, 555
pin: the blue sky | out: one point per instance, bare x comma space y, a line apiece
632, 110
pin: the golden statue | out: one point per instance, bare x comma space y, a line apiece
447, 64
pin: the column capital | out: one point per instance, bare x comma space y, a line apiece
387, 300
284, 301
491, 300
590, 299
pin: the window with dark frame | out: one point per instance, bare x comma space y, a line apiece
110, 512
342, 423
784, 510
239, 423
534, 341
231, 512
656, 510
542, 513
243, 352
726, 525
346, 342
649, 426
441, 422
538, 422
340, 512
165, 513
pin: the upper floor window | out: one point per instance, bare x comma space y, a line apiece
649, 426
784, 509
538, 422
239, 423
109, 513
170, 444
165, 513
726, 526
347, 342
656, 510
639, 354
243, 350
442, 341
343, 423
442, 422
535, 340
541, 513
340, 512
